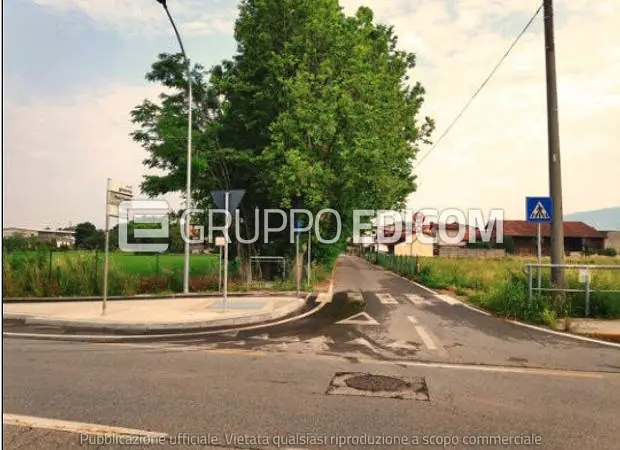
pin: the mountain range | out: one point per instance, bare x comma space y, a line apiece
607, 219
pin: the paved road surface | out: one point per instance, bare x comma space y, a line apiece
483, 377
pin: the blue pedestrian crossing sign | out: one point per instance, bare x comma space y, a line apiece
539, 209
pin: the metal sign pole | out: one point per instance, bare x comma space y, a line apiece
309, 246
107, 247
297, 259
226, 201
219, 281
539, 256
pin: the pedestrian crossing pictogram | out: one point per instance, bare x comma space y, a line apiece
540, 213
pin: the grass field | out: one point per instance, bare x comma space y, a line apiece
134, 264
48, 273
54, 273
137, 264
501, 285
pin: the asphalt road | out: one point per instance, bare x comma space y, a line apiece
482, 379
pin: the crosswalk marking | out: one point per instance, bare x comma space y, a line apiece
425, 338
416, 299
386, 299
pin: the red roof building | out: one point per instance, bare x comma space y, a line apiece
578, 236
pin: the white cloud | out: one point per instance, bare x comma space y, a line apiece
496, 154
58, 155
147, 17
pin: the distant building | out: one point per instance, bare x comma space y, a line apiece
577, 237
62, 237
612, 240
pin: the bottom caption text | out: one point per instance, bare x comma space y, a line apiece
307, 439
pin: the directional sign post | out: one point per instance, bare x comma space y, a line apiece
116, 193
539, 210
298, 227
227, 200
220, 242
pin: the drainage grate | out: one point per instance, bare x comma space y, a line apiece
365, 384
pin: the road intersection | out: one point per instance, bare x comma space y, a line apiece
481, 376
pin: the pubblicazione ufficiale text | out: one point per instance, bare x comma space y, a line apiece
312, 439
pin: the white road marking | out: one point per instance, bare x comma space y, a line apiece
416, 299
449, 300
421, 286
386, 299
75, 427
412, 319
497, 369
425, 338
353, 321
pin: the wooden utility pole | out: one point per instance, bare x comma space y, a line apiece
555, 169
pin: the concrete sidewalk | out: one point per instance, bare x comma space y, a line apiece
162, 314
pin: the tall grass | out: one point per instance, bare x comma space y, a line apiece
501, 285
50, 274
46, 273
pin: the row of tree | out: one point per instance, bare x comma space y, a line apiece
88, 237
315, 110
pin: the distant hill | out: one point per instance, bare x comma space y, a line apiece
607, 219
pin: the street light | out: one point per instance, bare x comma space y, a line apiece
188, 194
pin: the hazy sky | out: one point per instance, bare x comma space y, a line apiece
73, 70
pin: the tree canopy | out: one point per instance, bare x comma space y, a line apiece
316, 107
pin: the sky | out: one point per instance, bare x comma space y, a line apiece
74, 69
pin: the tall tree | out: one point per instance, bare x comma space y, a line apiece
85, 235
314, 107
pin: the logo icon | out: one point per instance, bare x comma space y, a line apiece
142, 213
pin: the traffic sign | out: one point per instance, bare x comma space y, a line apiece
234, 197
539, 209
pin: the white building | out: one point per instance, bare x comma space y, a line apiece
62, 237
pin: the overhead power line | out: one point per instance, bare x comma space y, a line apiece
456, 119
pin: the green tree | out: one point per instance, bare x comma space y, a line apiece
85, 233
314, 108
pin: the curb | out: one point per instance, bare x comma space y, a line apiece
154, 337
514, 322
246, 319
148, 297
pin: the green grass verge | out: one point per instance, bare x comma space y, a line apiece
80, 273
501, 285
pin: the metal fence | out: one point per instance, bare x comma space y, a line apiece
258, 262
584, 278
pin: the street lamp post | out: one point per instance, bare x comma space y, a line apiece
188, 194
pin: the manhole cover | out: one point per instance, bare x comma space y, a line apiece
365, 384
376, 383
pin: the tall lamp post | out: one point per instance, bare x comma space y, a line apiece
188, 194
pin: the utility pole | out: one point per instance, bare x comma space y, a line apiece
555, 169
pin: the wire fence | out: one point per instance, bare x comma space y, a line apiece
585, 278
51, 272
